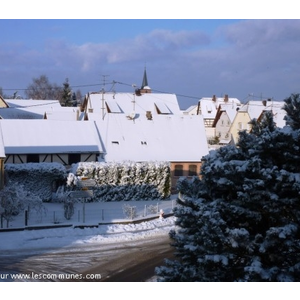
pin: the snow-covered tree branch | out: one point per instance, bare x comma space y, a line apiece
241, 221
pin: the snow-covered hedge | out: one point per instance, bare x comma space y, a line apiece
37, 178
125, 181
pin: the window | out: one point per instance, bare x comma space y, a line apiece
178, 170
33, 158
193, 170
162, 108
112, 107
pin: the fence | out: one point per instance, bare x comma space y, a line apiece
90, 213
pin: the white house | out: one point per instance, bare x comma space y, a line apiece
50, 141
208, 108
131, 103
253, 109
224, 117
177, 139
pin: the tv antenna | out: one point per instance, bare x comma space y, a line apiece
104, 82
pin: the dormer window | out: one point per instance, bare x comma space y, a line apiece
162, 108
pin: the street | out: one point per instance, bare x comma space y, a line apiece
129, 261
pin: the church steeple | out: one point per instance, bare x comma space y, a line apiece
145, 88
145, 80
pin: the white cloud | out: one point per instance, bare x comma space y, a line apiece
259, 56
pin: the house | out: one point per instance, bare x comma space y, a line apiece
208, 108
140, 126
50, 141
140, 102
253, 110
130, 103
223, 120
177, 139
146, 126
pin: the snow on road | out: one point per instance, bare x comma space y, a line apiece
68, 236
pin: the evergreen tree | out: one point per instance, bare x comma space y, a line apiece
240, 222
66, 98
292, 107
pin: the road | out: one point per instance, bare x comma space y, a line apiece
116, 262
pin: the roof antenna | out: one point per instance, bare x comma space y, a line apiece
104, 81
103, 92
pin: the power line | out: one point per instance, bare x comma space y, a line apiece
73, 86
113, 83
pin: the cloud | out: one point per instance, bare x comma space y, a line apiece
251, 56
251, 33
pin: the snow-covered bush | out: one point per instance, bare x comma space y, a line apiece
124, 181
15, 199
38, 179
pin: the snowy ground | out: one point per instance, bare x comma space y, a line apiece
103, 224
67, 236
55, 239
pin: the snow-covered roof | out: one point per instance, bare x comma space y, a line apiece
45, 136
255, 108
129, 102
192, 110
230, 109
163, 138
17, 103
209, 106
28, 109
278, 112
20, 113
278, 117
66, 114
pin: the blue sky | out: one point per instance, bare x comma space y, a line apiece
192, 58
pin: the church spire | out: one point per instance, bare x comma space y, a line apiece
145, 80
145, 88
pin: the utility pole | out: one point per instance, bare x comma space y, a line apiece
103, 91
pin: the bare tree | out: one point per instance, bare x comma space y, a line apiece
42, 89
15, 199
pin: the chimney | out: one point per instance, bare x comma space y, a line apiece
138, 92
214, 98
148, 115
264, 102
226, 98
